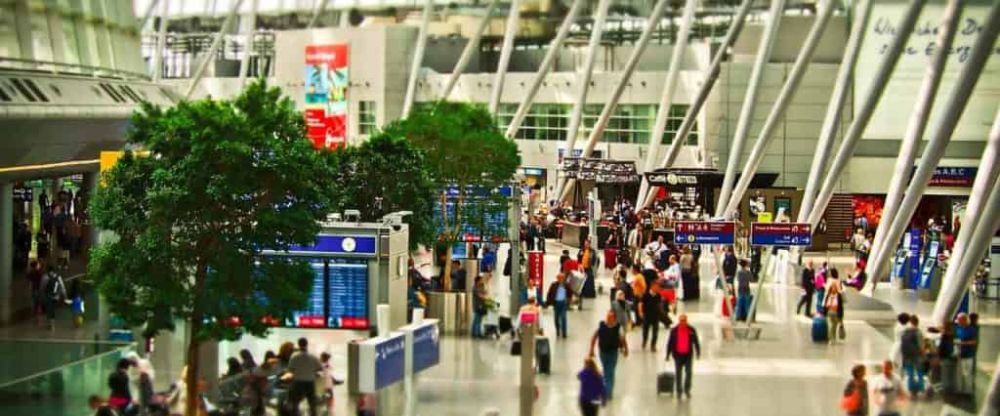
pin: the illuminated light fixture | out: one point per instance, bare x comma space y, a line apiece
50, 165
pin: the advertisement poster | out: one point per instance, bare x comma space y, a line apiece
867, 211
326, 95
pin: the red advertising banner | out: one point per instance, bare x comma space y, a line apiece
326, 82
536, 267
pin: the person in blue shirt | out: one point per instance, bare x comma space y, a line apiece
592, 391
559, 296
968, 336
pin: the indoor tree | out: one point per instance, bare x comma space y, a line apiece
222, 181
465, 151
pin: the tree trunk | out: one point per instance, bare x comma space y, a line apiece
446, 278
194, 354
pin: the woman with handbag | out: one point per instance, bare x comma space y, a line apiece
855, 399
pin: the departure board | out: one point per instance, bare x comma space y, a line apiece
314, 316
348, 294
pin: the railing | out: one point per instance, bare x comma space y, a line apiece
25, 389
63, 68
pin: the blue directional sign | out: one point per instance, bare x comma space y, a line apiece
390, 361
701, 232
339, 244
426, 347
780, 234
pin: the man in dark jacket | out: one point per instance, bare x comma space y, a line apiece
683, 346
729, 265
808, 285
559, 296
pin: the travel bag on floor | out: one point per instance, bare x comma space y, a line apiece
819, 329
543, 355
665, 382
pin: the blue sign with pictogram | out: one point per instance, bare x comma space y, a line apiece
390, 361
702, 232
780, 234
426, 347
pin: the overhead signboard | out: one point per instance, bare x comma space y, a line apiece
23, 194
339, 244
326, 82
780, 234
702, 232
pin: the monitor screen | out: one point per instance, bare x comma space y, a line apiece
338, 298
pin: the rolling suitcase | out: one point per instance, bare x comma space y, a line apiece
665, 383
505, 325
819, 329
515, 347
543, 355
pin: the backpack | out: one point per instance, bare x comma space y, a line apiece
910, 344
54, 288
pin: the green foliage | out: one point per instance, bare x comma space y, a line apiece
383, 175
224, 179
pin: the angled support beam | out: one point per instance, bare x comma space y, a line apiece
583, 82
978, 228
418, 58
670, 84
248, 34
864, 114
745, 119
510, 32
780, 105
146, 15
210, 55
470, 49
543, 69
646, 194
320, 9
953, 108
914, 133
834, 110
609, 107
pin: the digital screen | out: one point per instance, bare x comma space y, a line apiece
338, 298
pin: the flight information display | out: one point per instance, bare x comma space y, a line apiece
338, 298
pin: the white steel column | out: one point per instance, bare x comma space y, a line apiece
864, 114
248, 34
418, 57
470, 49
976, 233
147, 14
320, 8
583, 82
609, 107
543, 69
941, 135
749, 103
510, 32
210, 54
834, 110
915, 131
645, 196
161, 41
780, 105
670, 84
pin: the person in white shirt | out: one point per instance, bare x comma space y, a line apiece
887, 391
656, 248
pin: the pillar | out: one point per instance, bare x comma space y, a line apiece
6, 249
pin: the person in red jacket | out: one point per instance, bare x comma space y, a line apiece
683, 346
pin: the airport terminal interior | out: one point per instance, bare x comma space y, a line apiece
499, 207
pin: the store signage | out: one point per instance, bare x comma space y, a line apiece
698, 232
671, 179
426, 347
953, 176
23, 194
536, 267
390, 361
339, 244
326, 82
780, 234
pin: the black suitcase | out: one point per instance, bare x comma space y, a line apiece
665, 383
505, 325
515, 347
692, 288
543, 354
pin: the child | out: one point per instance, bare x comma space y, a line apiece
326, 378
76, 302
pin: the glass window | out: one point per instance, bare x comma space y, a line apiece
9, 47
630, 123
367, 118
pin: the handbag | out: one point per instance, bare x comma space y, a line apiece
851, 402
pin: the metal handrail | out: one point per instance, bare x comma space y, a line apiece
68, 68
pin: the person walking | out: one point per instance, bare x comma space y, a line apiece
902, 322
729, 264
610, 342
55, 294
302, 370
121, 397
592, 393
820, 284
967, 336
588, 259
36, 278
912, 351
559, 297
689, 279
683, 347
479, 307
888, 391
744, 297
855, 399
650, 309
638, 290
808, 285
833, 307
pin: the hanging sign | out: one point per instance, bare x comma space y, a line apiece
326, 81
